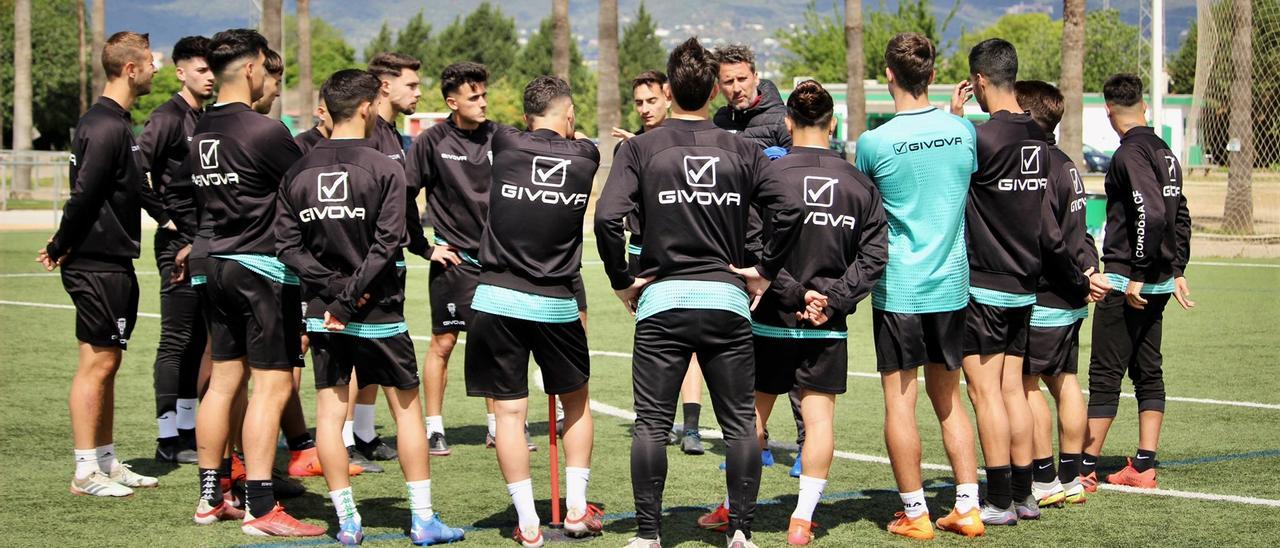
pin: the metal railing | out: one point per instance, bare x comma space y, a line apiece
34, 176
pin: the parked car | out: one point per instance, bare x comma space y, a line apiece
1095, 160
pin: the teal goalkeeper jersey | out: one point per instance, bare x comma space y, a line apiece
921, 161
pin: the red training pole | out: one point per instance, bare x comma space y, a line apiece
555, 463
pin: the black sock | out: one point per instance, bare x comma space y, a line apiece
998, 488
210, 490
299, 443
259, 498
1068, 467
225, 470
188, 437
691, 412
1044, 472
1144, 460
1020, 482
1088, 464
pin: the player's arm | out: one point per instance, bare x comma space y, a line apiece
318, 279
1182, 253
156, 134
1058, 263
93, 166
388, 233
419, 171
868, 266
780, 203
620, 195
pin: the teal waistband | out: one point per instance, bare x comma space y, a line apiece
992, 297
400, 264
1121, 283
633, 249
697, 294
775, 332
465, 256
199, 280
264, 265
362, 330
1057, 317
524, 306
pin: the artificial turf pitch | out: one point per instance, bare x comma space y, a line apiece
1224, 352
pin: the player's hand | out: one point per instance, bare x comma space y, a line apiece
446, 255
620, 133
1099, 285
630, 296
1133, 295
756, 283
814, 301
306, 343
814, 318
959, 96
170, 226
1182, 292
180, 264
42, 257
331, 323
363, 300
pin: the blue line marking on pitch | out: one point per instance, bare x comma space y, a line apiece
1221, 458
834, 497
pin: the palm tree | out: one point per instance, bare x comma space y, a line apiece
99, 22
855, 96
560, 38
273, 30
84, 76
608, 101
1238, 213
304, 59
1072, 80
22, 121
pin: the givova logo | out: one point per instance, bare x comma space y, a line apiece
545, 169
819, 191
699, 173
209, 153
910, 146
332, 187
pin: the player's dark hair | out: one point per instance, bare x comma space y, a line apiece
995, 59
122, 48
391, 64
647, 78
1122, 89
229, 46
273, 64
458, 74
810, 105
692, 72
346, 89
542, 92
1042, 100
734, 54
190, 47
910, 55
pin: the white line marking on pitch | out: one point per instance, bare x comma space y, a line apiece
624, 355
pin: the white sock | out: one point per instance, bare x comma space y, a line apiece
186, 413
492, 421
168, 424
364, 422
86, 462
913, 503
522, 497
559, 410
726, 502
966, 497
810, 491
348, 435
107, 458
344, 504
420, 498
435, 423
575, 480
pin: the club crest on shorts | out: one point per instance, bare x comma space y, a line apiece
121, 324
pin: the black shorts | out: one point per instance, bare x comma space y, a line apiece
252, 317
1053, 351
821, 365
580, 292
907, 341
498, 348
996, 329
451, 290
106, 305
387, 361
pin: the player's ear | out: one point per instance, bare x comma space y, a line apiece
832, 125
791, 128
666, 90
933, 75
888, 75
384, 86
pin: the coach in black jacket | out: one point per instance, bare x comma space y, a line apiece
755, 110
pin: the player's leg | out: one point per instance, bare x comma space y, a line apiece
1112, 349
691, 409
194, 358
1045, 486
902, 439
1148, 385
1072, 419
435, 376
87, 401
726, 353
659, 361
1021, 431
179, 310
818, 409
942, 383
213, 428
984, 374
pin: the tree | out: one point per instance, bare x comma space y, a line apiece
1108, 39
163, 85
486, 36
1182, 68
305, 76
535, 60
22, 122
415, 40
330, 52
55, 65
1071, 80
911, 16
638, 50
560, 38
271, 28
84, 76
1036, 36
607, 98
99, 39
380, 43
855, 71
1238, 211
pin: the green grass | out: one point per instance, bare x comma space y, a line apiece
1225, 349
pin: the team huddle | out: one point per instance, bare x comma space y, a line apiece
740, 242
